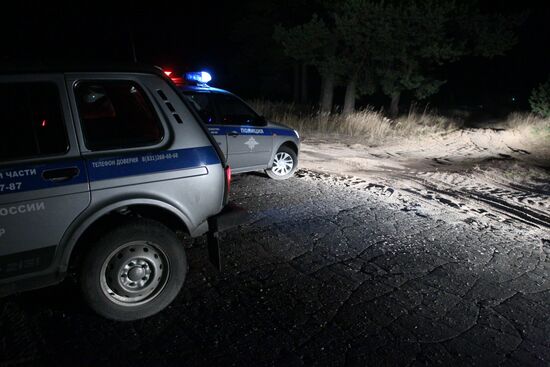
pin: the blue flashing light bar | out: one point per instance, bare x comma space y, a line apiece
202, 77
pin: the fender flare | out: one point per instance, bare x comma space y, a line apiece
73, 235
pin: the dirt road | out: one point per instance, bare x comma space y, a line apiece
326, 273
484, 177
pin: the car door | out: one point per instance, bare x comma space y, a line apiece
249, 144
203, 102
43, 181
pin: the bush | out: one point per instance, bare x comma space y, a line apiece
540, 100
368, 124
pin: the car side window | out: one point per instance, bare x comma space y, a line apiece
233, 111
31, 121
116, 115
204, 106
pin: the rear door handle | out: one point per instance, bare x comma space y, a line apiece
60, 174
233, 133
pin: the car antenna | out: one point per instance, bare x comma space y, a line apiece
131, 39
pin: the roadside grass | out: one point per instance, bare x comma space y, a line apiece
368, 124
529, 124
372, 127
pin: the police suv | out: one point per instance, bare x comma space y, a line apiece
248, 140
98, 171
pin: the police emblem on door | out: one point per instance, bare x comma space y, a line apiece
251, 143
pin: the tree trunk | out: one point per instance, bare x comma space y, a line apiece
303, 84
349, 100
296, 84
394, 105
327, 93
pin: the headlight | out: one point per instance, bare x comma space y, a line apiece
297, 135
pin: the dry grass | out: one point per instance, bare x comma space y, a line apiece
528, 123
369, 125
373, 127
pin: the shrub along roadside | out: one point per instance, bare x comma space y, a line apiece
540, 100
368, 124
372, 127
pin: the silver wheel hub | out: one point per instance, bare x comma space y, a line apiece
134, 273
282, 164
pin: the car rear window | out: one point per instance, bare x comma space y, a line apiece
31, 121
116, 115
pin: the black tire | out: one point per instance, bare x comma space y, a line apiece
272, 172
148, 264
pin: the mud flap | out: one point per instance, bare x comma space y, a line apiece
213, 238
231, 216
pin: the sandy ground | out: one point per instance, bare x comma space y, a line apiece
484, 177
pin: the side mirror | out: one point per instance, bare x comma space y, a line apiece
262, 121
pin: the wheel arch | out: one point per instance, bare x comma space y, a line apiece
288, 143
112, 215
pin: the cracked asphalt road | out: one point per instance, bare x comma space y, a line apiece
323, 275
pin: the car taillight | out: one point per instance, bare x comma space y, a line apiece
178, 80
228, 178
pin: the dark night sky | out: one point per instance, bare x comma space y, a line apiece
224, 38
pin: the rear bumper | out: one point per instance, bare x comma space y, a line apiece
231, 216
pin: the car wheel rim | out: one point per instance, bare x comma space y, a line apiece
282, 164
134, 273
